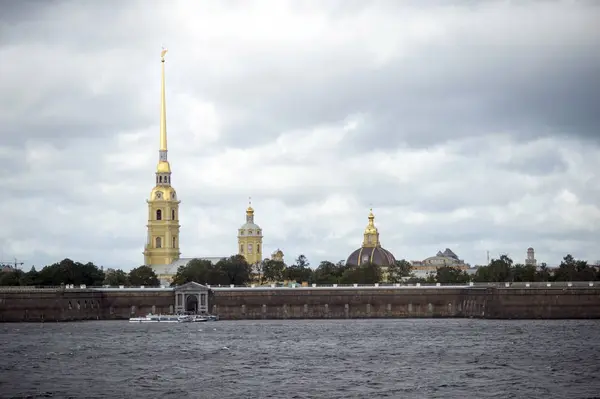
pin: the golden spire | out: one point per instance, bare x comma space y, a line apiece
163, 105
163, 163
371, 235
250, 210
371, 229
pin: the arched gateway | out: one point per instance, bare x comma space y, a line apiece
191, 297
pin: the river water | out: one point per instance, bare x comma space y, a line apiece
408, 358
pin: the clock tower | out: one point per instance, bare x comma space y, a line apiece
162, 244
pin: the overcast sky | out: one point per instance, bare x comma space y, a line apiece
473, 127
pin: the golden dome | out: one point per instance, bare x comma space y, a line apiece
163, 193
163, 167
249, 211
371, 229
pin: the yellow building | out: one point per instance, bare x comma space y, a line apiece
250, 239
161, 251
422, 268
277, 255
162, 245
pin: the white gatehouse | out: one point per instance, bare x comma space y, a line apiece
191, 297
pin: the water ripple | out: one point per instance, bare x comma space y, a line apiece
302, 359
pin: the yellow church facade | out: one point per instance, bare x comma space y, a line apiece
162, 251
162, 243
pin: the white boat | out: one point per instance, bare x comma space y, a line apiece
162, 318
205, 317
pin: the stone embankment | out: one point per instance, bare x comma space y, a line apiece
495, 301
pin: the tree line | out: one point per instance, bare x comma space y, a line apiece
504, 269
235, 270
69, 272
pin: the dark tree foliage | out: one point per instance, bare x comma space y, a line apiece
367, 273
233, 270
272, 270
117, 277
329, 273
69, 272
11, 278
300, 271
451, 275
400, 269
143, 275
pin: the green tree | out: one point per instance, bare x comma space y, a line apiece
401, 268
328, 273
300, 271
201, 271
367, 273
69, 272
143, 275
523, 273
114, 277
272, 270
11, 278
543, 274
451, 275
499, 270
571, 269
31, 278
236, 270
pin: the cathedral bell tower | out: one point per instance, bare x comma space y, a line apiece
250, 239
162, 245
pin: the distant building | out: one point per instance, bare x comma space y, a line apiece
6, 268
530, 259
277, 255
421, 268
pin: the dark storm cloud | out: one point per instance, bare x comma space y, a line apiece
547, 84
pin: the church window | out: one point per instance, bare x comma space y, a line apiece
158, 214
365, 259
160, 179
158, 242
258, 232
174, 242
241, 248
258, 248
173, 214
249, 232
249, 248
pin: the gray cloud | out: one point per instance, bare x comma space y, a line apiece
473, 127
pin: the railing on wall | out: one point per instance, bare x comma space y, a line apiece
514, 285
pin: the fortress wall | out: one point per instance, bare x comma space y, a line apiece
123, 304
25, 304
50, 305
545, 303
80, 304
348, 303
